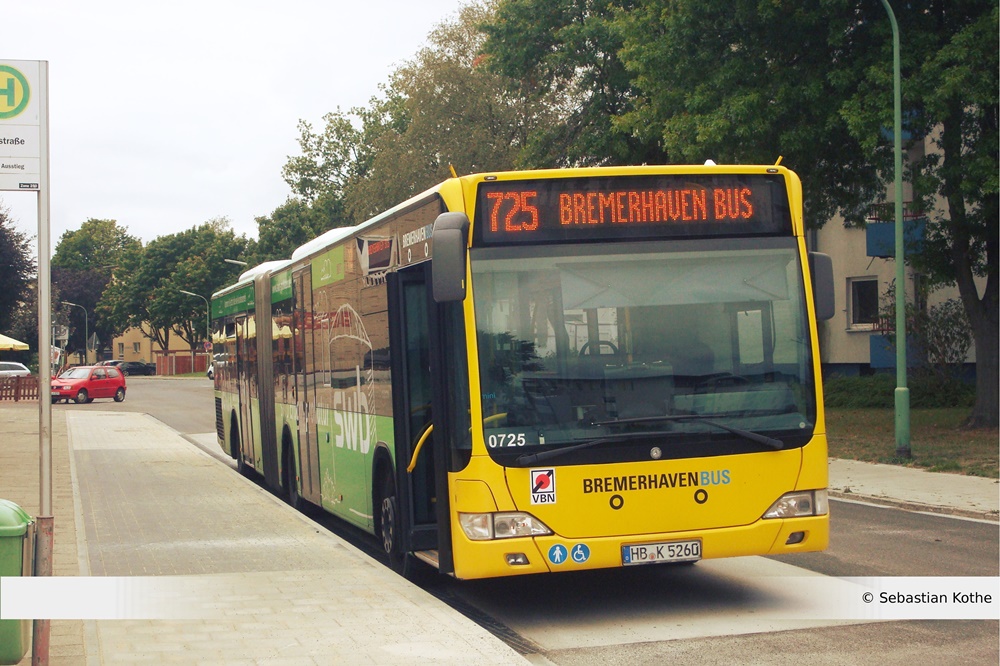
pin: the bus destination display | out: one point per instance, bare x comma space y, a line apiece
664, 206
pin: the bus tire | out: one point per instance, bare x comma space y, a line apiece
291, 485
234, 446
389, 527
294, 498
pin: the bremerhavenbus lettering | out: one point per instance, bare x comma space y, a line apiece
655, 206
632, 482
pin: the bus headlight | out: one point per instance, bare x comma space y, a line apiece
794, 505
487, 526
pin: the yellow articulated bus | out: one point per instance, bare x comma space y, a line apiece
538, 371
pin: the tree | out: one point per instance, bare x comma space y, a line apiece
82, 265
17, 269
958, 91
565, 56
940, 334
746, 81
328, 161
83, 288
95, 245
149, 297
442, 109
293, 223
125, 299
749, 82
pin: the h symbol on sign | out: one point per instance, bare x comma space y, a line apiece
8, 91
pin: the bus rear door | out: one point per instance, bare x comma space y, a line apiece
244, 377
305, 385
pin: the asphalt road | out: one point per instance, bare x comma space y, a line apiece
868, 540
716, 612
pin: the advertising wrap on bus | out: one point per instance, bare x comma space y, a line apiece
239, 300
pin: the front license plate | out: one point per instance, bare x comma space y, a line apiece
668, 551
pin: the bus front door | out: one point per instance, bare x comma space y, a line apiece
423, 491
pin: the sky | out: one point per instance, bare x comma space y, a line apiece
164, 115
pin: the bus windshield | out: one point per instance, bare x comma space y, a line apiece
609, 351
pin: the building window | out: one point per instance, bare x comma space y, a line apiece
862, 303
136, 347
121, 350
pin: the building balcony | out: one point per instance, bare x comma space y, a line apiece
880, 233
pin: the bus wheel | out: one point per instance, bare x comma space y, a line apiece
234, 446
291, 486
399, 561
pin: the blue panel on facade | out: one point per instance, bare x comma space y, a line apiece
880, 237
883, 354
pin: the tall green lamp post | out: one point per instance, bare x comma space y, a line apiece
902, 394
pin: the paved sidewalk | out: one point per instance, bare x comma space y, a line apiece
19, 473
242, 578
915, 489
239, 576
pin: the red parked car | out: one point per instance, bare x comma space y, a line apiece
86, 382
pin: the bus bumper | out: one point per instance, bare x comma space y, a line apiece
511, 557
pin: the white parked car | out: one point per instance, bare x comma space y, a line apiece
12, 369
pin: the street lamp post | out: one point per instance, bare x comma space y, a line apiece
208, 321
235, 262
208, 313
86, 328
902, 393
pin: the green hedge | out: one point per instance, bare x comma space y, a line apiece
878, 392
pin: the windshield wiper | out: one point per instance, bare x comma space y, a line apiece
771, 442
532, 458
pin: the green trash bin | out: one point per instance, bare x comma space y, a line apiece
17, 554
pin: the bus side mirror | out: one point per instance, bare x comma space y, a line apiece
821, 267
451, 239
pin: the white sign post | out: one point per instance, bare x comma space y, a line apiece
24, 166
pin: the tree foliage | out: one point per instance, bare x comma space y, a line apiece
747, 81
17, 269
750, 81
439, 110
939, 334
293, 223
590, 82
443, 109
23, 325
330, 160
147, 295
82, 265
813, 82
97, 244
565, 56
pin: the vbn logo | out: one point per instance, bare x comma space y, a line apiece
543, 486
